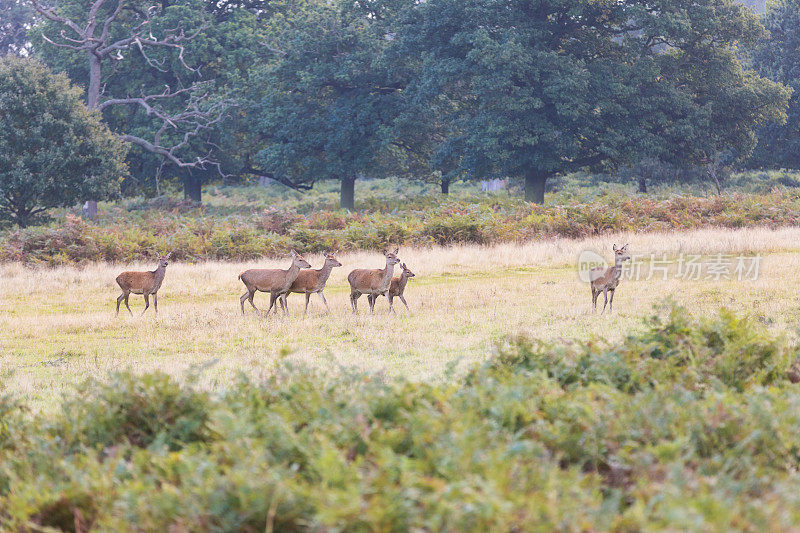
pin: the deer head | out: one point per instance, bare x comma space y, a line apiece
330, 259
621, 254
406, 271
299, 261
163, 259
391, 257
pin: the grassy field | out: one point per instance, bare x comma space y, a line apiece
57, 326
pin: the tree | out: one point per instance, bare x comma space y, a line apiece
130, 56
326, 105
548, 86
53, 150
777, 57
16, 18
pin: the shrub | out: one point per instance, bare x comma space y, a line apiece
224, 233
689, 424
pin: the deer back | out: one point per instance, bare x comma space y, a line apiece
307, 281
267, 279
136, 281
368, 279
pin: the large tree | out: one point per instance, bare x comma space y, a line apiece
549, 86
777, 56
326, 103
131, 57
53, 149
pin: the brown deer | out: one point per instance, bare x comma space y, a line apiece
606, 279
144, 283
313, 281
275, 281
372, 281
397, 286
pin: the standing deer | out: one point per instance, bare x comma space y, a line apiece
144, 283
606, 279
275, 281
313, 281
372, 281
397, 287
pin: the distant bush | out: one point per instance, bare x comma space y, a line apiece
690, 424
197, 234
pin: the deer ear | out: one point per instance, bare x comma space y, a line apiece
615, 247
293, 253
397, 250
168, 255
386, 252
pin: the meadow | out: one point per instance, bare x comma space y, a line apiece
58, 325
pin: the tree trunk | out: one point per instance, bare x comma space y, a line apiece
348, 198
92, 100
642, 184
712, 172
89, 210
535, 181
445, 186
95, 76
192, 188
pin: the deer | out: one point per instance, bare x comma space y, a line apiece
372, 281
144, 283
606, 279
275, 281
313, 281
397, 286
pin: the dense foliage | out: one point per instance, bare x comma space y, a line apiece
552, 86
314, 224
313, 90
776, 57
53, 150
689, 424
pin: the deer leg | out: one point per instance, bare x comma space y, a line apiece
391, 307
371, 300
155, 303
611, 301
250, 299
605, 296
119, 301
284, 307
246, 296
127, 294
146, 303
272, 298
308, 297
354, 300
403, 300
595, 294
327, 309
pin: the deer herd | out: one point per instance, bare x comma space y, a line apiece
300, 278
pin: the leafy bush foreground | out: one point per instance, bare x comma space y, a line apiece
690, 424
196, 235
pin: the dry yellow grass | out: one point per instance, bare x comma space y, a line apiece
58, 325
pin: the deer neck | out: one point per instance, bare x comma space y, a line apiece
616, 270
292, 273
386, 280
324, 273
158, 275
403, 281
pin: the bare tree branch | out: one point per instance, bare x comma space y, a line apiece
198, 114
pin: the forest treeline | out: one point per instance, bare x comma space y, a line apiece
101, 98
